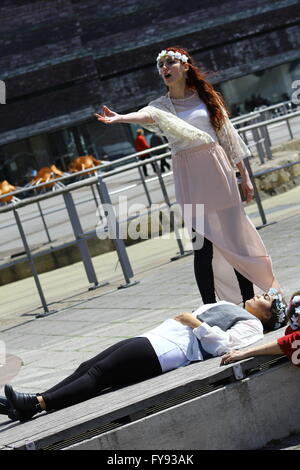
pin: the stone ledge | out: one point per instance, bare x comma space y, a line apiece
252, 409
281, 180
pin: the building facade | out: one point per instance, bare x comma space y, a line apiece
61, 60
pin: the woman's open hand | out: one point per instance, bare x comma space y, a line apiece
233, 356
188, 319
247, 188
108, 116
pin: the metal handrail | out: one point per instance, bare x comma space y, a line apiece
143, 152
262, 110
78, 184
89, 170
284, 117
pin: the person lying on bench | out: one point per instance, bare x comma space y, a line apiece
211, 330
289, 344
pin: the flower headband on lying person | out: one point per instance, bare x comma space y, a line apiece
278, 308
293, 311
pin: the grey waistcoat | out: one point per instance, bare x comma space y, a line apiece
224, 316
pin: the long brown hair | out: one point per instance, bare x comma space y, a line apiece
196, 80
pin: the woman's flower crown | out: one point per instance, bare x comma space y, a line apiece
294, 303
174, 55
279, 308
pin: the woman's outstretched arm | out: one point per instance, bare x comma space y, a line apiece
265, 349
110, 117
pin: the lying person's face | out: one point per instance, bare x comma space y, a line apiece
260, 306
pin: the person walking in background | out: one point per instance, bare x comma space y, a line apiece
206, 149
141, 144
154, 142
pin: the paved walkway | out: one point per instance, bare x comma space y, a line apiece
87, 322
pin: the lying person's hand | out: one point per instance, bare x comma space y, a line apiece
188, 319
233, 356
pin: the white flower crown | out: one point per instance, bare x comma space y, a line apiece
295, 302
278, 308
174, 55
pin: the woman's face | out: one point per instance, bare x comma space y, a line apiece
171, 70
260, 306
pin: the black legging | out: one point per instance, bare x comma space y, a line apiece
205, 277
128, 361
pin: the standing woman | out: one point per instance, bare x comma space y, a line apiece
205, 149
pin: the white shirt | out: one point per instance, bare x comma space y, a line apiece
195, 112
176, 345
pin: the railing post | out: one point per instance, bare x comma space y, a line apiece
259, 146
289, 128
144, 184
257, 196
44, 222
114, 230
266, 138
81, 242
173, 224
32, 267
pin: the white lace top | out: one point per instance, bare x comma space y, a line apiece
194, 111
182, 134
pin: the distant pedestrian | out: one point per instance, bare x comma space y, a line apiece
141, 144
155, 141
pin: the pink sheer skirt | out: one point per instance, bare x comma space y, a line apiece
207, 191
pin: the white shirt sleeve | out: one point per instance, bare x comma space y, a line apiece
217, 342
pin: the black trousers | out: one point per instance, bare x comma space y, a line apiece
128, 361
164, 164
205, 277
144, 157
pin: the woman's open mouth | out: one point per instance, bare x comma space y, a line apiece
167, 75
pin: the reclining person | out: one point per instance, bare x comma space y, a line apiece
211, 330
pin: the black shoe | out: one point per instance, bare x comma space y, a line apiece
4, 406
24, 405
5, 409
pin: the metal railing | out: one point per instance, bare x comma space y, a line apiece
261, 136
104, 196
284, 106
79, 234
